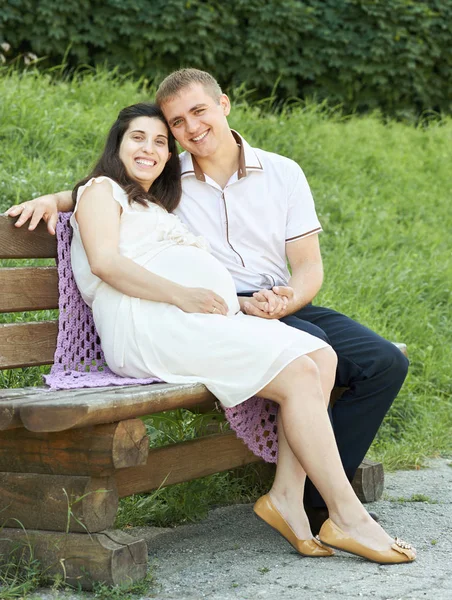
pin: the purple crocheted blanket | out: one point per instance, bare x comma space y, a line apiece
79, 361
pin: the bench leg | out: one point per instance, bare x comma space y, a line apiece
369, 481
112, 557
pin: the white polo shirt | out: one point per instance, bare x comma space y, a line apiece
264, 205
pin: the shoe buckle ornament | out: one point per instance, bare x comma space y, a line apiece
404, 548
402, 544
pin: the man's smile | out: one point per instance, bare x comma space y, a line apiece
200, 137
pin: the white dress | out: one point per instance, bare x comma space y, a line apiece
235, 356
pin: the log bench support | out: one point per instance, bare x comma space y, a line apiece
67, 457
112, 557
58, 502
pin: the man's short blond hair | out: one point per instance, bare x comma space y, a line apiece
178, 80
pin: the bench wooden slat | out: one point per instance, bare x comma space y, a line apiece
11, 401
215, 453
28, 288
18, 242
184, 461
79, 408
7, 394
27, 344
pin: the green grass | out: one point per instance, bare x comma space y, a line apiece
413, 498
382, 192
20, 574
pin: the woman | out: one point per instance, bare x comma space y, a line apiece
164, 306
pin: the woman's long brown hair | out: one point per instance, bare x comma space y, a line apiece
166, 189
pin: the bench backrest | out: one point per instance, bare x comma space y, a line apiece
27, 288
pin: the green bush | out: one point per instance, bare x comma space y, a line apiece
395, 55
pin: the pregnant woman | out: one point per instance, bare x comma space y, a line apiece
165, 307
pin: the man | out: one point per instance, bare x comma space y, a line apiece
255, 208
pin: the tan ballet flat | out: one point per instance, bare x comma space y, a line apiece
333, 536
265, 510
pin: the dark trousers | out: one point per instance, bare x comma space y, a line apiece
371, 367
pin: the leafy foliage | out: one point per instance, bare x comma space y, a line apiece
395, 55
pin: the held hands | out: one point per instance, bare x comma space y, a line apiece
45, 207
270, 304
200, 300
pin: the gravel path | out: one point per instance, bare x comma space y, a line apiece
233, 556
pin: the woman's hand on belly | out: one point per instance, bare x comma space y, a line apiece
200, 300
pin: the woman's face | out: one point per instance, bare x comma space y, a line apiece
144, 150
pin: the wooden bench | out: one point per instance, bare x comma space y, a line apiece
67, 457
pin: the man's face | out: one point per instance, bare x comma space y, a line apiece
197, 121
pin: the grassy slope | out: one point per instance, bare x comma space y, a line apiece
381, 193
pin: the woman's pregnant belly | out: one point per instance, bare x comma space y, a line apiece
193, 267
131, 328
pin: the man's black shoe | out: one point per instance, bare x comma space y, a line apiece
317, 517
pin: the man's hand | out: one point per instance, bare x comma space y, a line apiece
265, 304
45, 208
288, 296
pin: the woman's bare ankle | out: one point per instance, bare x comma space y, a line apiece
349, 517
291, 508
346, 523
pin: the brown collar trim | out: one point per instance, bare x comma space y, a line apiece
242, 167
197, 170
254, 168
